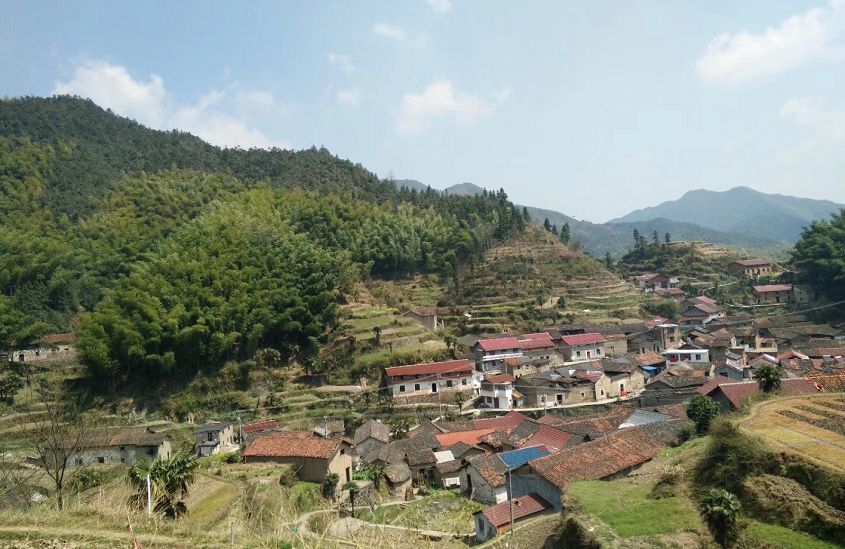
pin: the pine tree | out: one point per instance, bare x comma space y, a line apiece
667, 239
564, 233
547, 225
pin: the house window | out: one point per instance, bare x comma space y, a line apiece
151, 451
698, 357
210, 437
560, 399
433, 387
78, 461
416, 386
448, 383
598, 351
602, 392
464, 381
578, 353
101, 459
582, 393
401, 388
342, 452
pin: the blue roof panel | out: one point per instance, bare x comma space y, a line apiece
517, 458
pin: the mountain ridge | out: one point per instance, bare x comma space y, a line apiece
740, 210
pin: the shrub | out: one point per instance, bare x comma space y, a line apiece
731, 457
288, 477
305, 496
667, 482
702, 410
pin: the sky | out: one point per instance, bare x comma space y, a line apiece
589, 108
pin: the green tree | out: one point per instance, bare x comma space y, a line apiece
565, 233
547, 225
170, 481
819, 256
768, 376
10, 383
525, 215
720, 510
377, 334
702, 410
654, 238
460, 398
608, 261
667, 239
329, 485
636, 233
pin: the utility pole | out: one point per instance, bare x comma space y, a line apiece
326, 426
149, 497
240, 430
510, 506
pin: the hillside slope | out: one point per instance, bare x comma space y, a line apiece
741, 210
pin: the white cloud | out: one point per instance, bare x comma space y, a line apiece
826, 124
389, 30
211, 118
440, 6
342, 62
350, 97
732, 58
112, 86
440, 101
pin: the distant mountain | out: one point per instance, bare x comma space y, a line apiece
617, 238
465, 188
410, 184
741, 210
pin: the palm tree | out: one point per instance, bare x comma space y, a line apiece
170, 481
768, 376
720, 510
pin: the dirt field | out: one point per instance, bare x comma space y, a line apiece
813, 426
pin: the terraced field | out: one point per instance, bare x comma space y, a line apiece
813, 426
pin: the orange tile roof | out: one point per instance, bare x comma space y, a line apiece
598, 459
431, 368
505, 422
499, 515
553, 439
293, 444
467, 437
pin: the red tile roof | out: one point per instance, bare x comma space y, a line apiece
752, 262
501, 378
296, 444
791, 353
828, 383
499, 515
583, 339
537, 343
553, 439
467, 437
827, 351
538, 335
431, 368
505, 422
738, 391
769, 288
260, 426
711, 385
598, 459
499, 344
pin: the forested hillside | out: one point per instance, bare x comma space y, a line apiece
169, 255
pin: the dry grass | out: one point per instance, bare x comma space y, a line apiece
786, 433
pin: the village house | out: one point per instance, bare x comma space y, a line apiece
699, 311
750, 268
672, 386
127, 445
486, 475
311, 457
399, 483
615, 344
582, 347
671, 293
611, 456
655, 338
431, 378
537, 346
427, 317
803, 295
624, 378
490, 354
687, 353
496, 519
497, 392
259, 428
369, 439
651, 282
731, 395
216, 437
772, 293
732, 366
559, 387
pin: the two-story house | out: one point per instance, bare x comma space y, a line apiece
582, 347
432, 377
491, 354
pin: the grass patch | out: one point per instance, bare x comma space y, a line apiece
778, 536
630, 512
442, 510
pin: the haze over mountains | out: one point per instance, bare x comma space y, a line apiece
741, 218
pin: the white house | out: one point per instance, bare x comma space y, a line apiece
582, 347
497, 392
687, 352
431, 378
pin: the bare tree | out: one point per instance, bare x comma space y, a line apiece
57, 432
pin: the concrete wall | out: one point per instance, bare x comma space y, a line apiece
583, 352
313, 469
616, 347
483, 492
425, 386
114, 454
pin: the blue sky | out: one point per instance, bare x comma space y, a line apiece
590, 108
